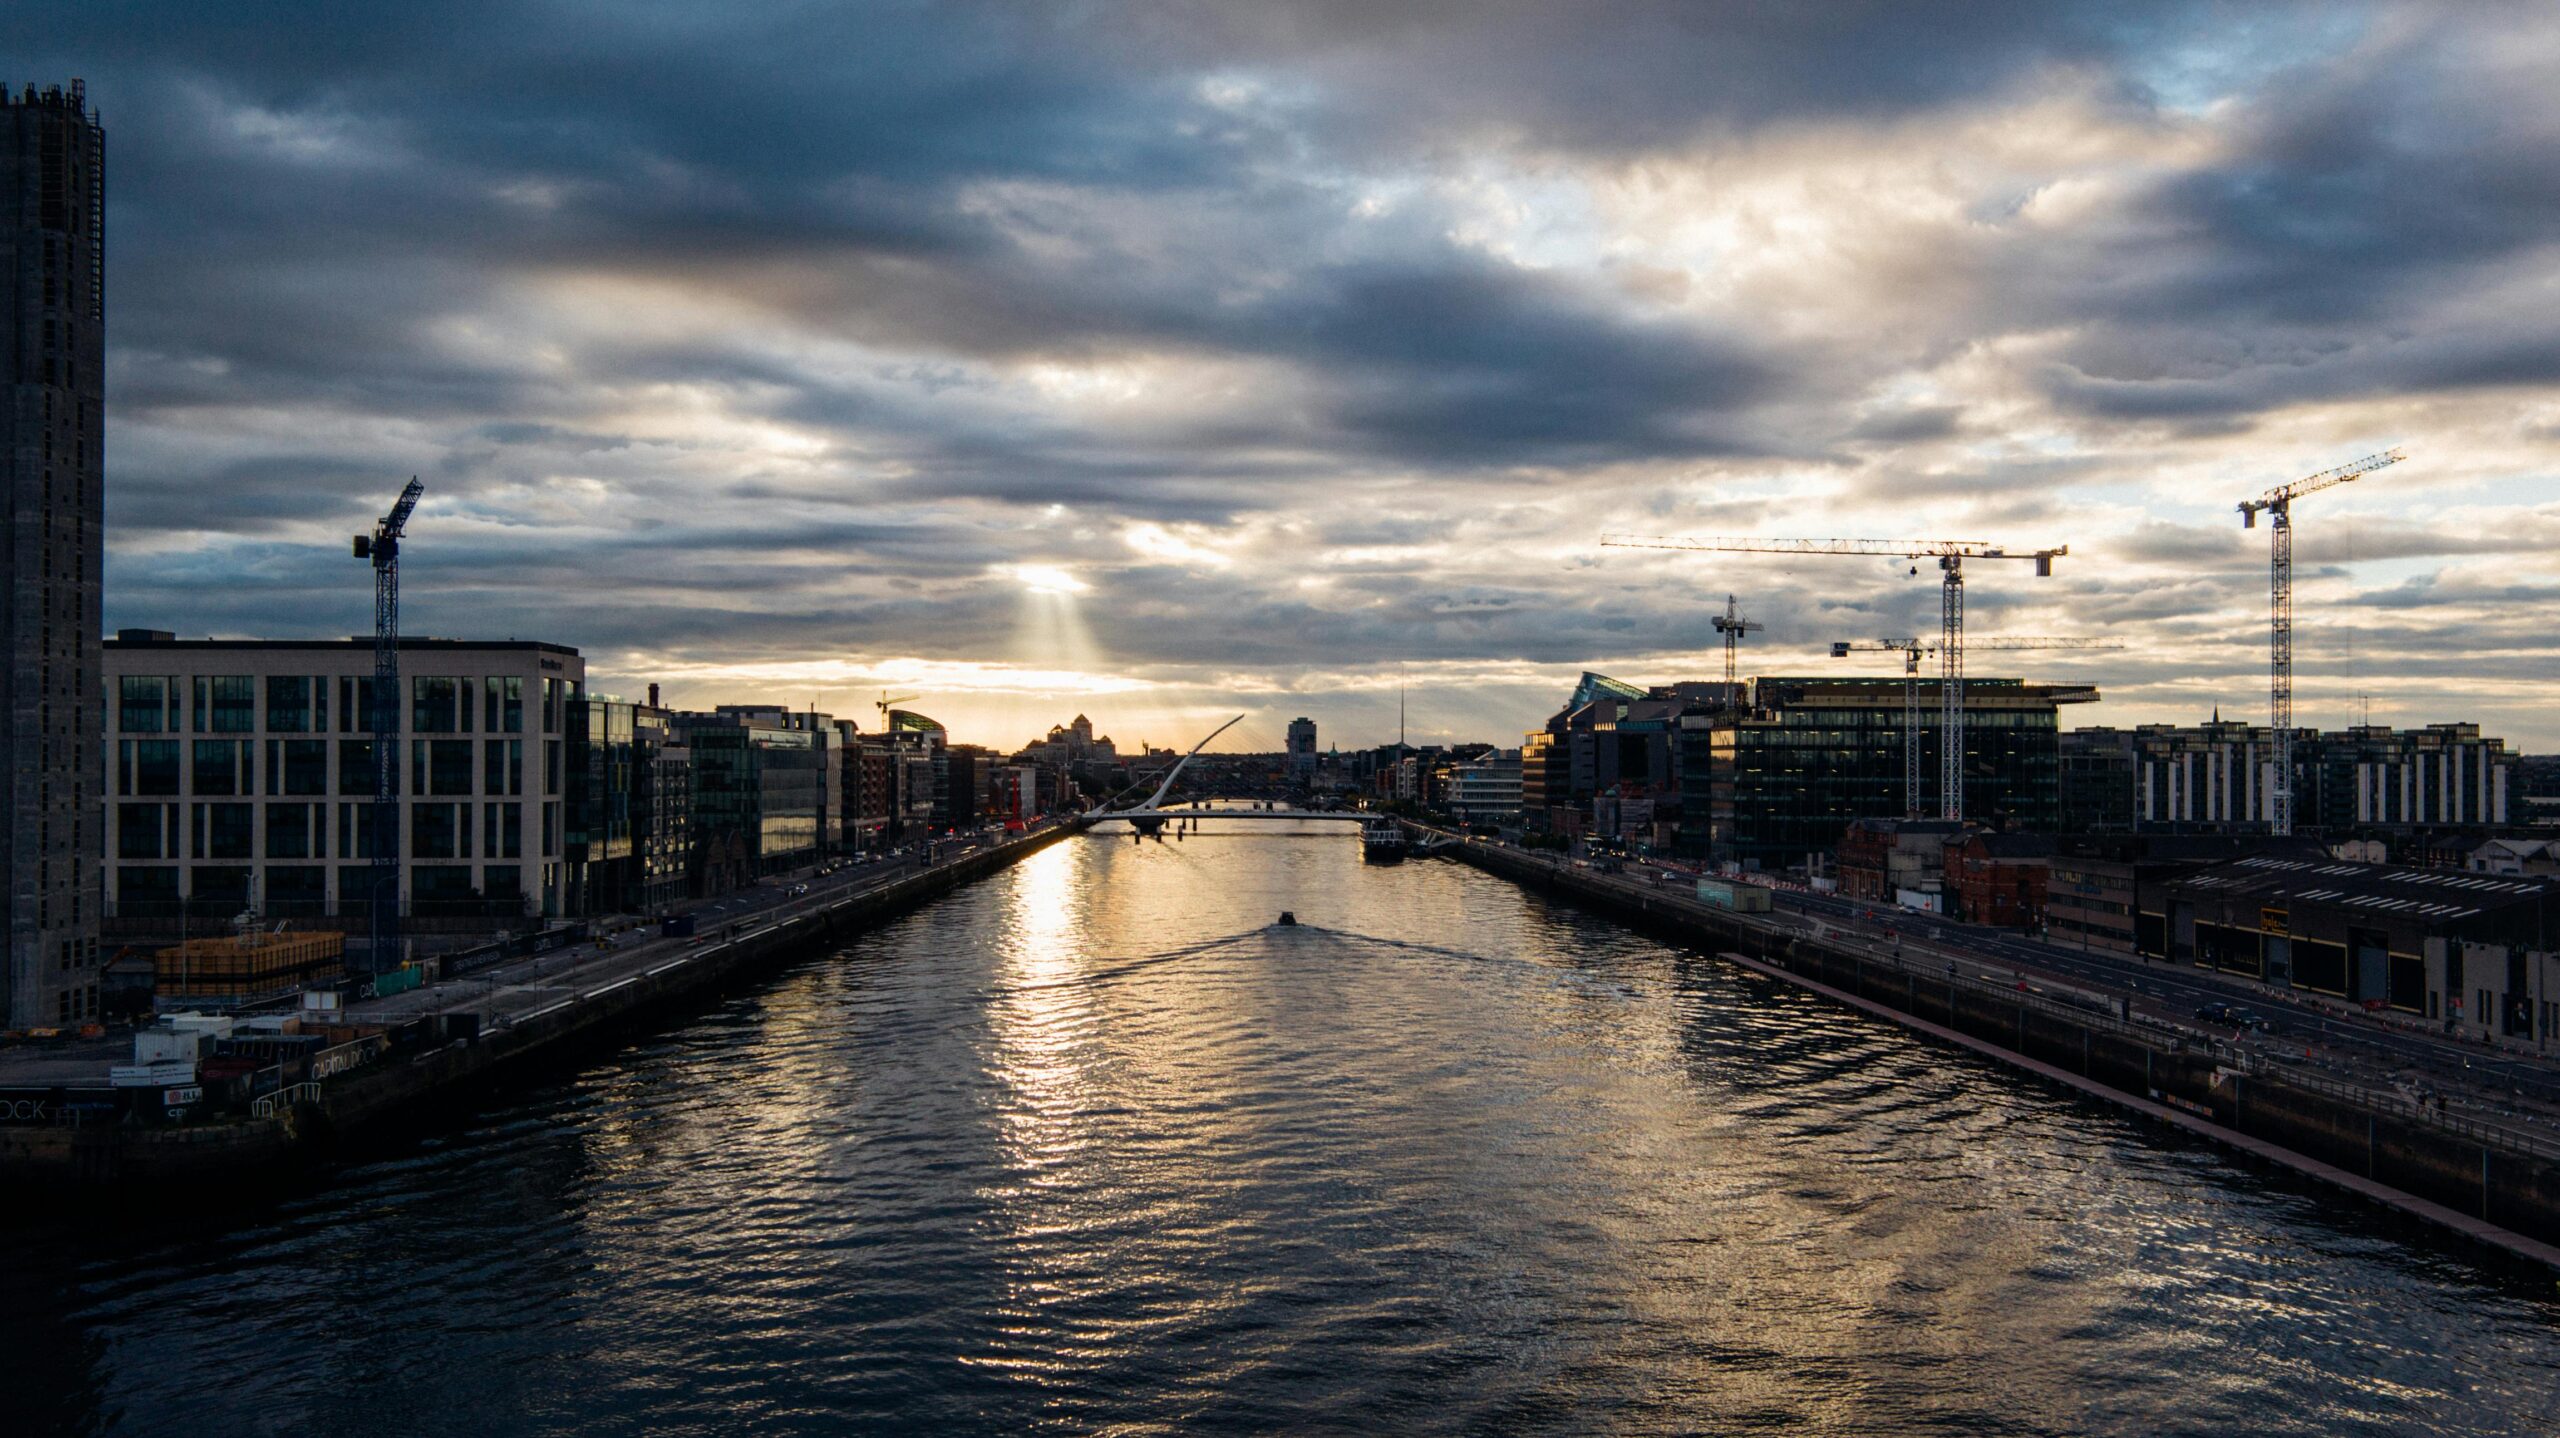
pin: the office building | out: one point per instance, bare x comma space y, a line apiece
241, 778
759, 782
52, 433
1487, 790
1788, 775
630, 840
1610, 739
1302, 749
2098, 767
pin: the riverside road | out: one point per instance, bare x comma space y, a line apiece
2517, 1092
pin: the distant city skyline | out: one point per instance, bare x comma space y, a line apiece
1186, 361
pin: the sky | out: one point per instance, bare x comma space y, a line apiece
1166, 361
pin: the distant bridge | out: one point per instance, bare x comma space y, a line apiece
1150, 815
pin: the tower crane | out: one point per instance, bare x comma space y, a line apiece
1911, 650
383, 548
888, 703
1733, 626
2277, 504
1951, 555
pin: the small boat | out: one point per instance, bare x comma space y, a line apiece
1382, 841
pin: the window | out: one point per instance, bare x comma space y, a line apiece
355, 766
550, 706
221, 889
503, 881
505, 705
147, 766
440, 766
503, 770
435, 705
503, 831
303, 887
141, 885
305, 767
219, 767
289, 708
289, 831
226, 704
355, 831
431, 832
223, 831
142, 704
551, 766
141, 832
355, 706
440, 881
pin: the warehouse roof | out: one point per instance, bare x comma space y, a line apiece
2429, 896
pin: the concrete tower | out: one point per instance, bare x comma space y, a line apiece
52, 255
1302, 747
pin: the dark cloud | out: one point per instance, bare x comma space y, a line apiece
785, 330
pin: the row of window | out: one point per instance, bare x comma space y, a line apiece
150, 767
299, 704
301, 831
140, 886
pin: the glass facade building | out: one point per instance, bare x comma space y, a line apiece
1786, 777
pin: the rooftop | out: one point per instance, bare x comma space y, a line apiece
2426, 895
163, 639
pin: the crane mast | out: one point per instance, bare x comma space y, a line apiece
383, 548
1733, 626
1951, 555
1911, 650
2277, 505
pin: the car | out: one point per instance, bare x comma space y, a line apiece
2250, 1019
2216, 1012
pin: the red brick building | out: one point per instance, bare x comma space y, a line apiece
2000, 879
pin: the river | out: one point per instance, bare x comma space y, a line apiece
1094, 1146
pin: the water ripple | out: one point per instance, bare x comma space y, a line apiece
1094, 1145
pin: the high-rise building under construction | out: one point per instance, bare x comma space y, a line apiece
52, 254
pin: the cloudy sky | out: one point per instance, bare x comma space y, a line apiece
1164, 360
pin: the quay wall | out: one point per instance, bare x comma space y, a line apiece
371, 1102
2472, 1182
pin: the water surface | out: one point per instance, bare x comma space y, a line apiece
1094, 1146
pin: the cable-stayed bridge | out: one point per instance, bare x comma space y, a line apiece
1150, 815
